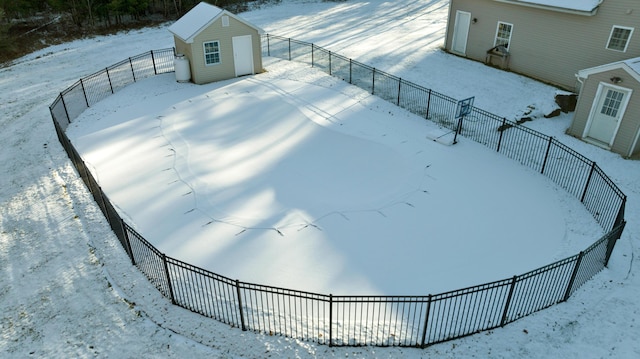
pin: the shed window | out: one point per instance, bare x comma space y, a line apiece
211, 52
503, 34
619, 38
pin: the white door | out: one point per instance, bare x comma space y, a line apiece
606, 113
243, 55
461, 32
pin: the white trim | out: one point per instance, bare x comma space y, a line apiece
204, 53
594, 108
626, 46
495, 38
608, 67
554, 8
455, 31
635, 143
237, 41
193, 22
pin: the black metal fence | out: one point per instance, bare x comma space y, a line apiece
416, 321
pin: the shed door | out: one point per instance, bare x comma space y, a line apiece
607, 111
461, 32
243, 55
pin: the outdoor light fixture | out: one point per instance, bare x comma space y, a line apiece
616, 80
475, 19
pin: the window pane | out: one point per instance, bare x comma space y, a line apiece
503, 34
619, 38
612, 103
212, 52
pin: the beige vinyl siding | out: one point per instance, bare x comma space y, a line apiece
548, 45
183, 48
225, 69
630, 123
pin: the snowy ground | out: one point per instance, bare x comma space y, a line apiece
68, 289
321, 187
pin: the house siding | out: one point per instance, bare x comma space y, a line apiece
182, 48
202, 73
630, 123
549, 45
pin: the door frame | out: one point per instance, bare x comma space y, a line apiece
455, 32
594, 108
236, 40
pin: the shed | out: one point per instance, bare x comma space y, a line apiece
608, 109
218, 44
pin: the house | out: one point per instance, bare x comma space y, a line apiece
586, 46
218, 44
550, 40
608, 109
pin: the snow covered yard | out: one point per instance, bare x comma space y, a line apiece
296, 179
56, 249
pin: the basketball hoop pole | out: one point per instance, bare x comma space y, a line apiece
464, 108
458, 130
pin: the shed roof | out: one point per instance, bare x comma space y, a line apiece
579, 7
632, 66
199, 18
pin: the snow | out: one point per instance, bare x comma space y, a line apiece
579, 5
68, 289
321, 176
194, 21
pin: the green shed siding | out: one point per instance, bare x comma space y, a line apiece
549, 45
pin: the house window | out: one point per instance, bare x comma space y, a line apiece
612, 103
619, 38
503, 34
211, 52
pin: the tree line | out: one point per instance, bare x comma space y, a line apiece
28, 25
101, 13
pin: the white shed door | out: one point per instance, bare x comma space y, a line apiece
461, 32
243, 55
606, 113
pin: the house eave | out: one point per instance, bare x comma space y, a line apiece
583, 74
592, 12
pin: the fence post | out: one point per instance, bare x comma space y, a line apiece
586, 186
620, 216
611, 243
399, 83
244, 327
268, 46
84, 92
330, 63
64, 105
428, 104
567, 293
330, 320
373, 82
166, 273
546, 155
504, 121
503, 322
350, 71
289, 49
312, 56
109, 78
426, 322
127, 242
132, 72
153, 59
